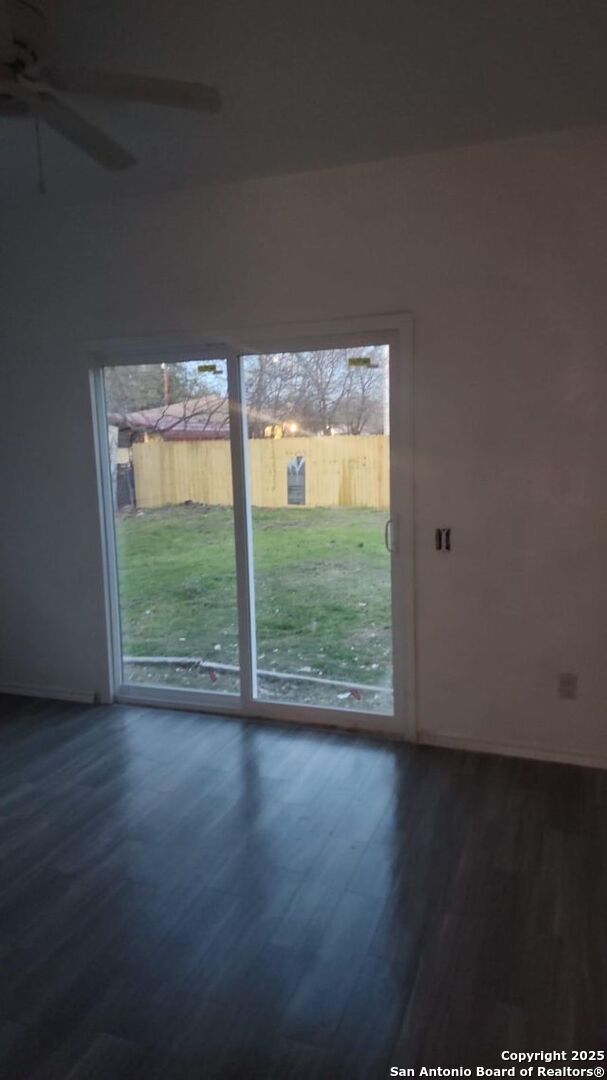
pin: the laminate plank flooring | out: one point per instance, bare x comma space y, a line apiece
186, 896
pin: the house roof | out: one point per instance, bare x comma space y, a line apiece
197, 418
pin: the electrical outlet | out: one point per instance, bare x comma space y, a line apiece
568, 685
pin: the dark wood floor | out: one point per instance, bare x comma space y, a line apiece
194, 897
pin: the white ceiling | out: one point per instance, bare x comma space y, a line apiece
308, 84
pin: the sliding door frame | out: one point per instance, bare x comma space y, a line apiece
395, 331
124, 355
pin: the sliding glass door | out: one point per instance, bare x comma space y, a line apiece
172, 507
254, 545
317, 426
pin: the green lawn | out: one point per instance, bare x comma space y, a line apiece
321, 583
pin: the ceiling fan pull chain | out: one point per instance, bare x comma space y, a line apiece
41, 180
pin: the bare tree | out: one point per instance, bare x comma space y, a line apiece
322, 384
321, 392
362, 408
133, 387
326, 393
269, 391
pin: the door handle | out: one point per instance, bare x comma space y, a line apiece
389, 535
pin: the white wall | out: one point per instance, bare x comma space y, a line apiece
499, 252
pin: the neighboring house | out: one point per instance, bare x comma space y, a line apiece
197, 418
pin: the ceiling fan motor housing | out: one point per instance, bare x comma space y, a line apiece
29, 27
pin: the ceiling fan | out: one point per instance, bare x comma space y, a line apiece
28, 86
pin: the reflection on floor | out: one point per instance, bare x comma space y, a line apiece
193, 897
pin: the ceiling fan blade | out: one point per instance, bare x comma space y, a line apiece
7, 48
80, 132
170, 92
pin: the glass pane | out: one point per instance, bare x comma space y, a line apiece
319, 461
168, 431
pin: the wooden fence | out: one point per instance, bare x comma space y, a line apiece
340, 470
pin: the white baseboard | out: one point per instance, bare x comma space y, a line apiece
532, 753
424, 738
47, 692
